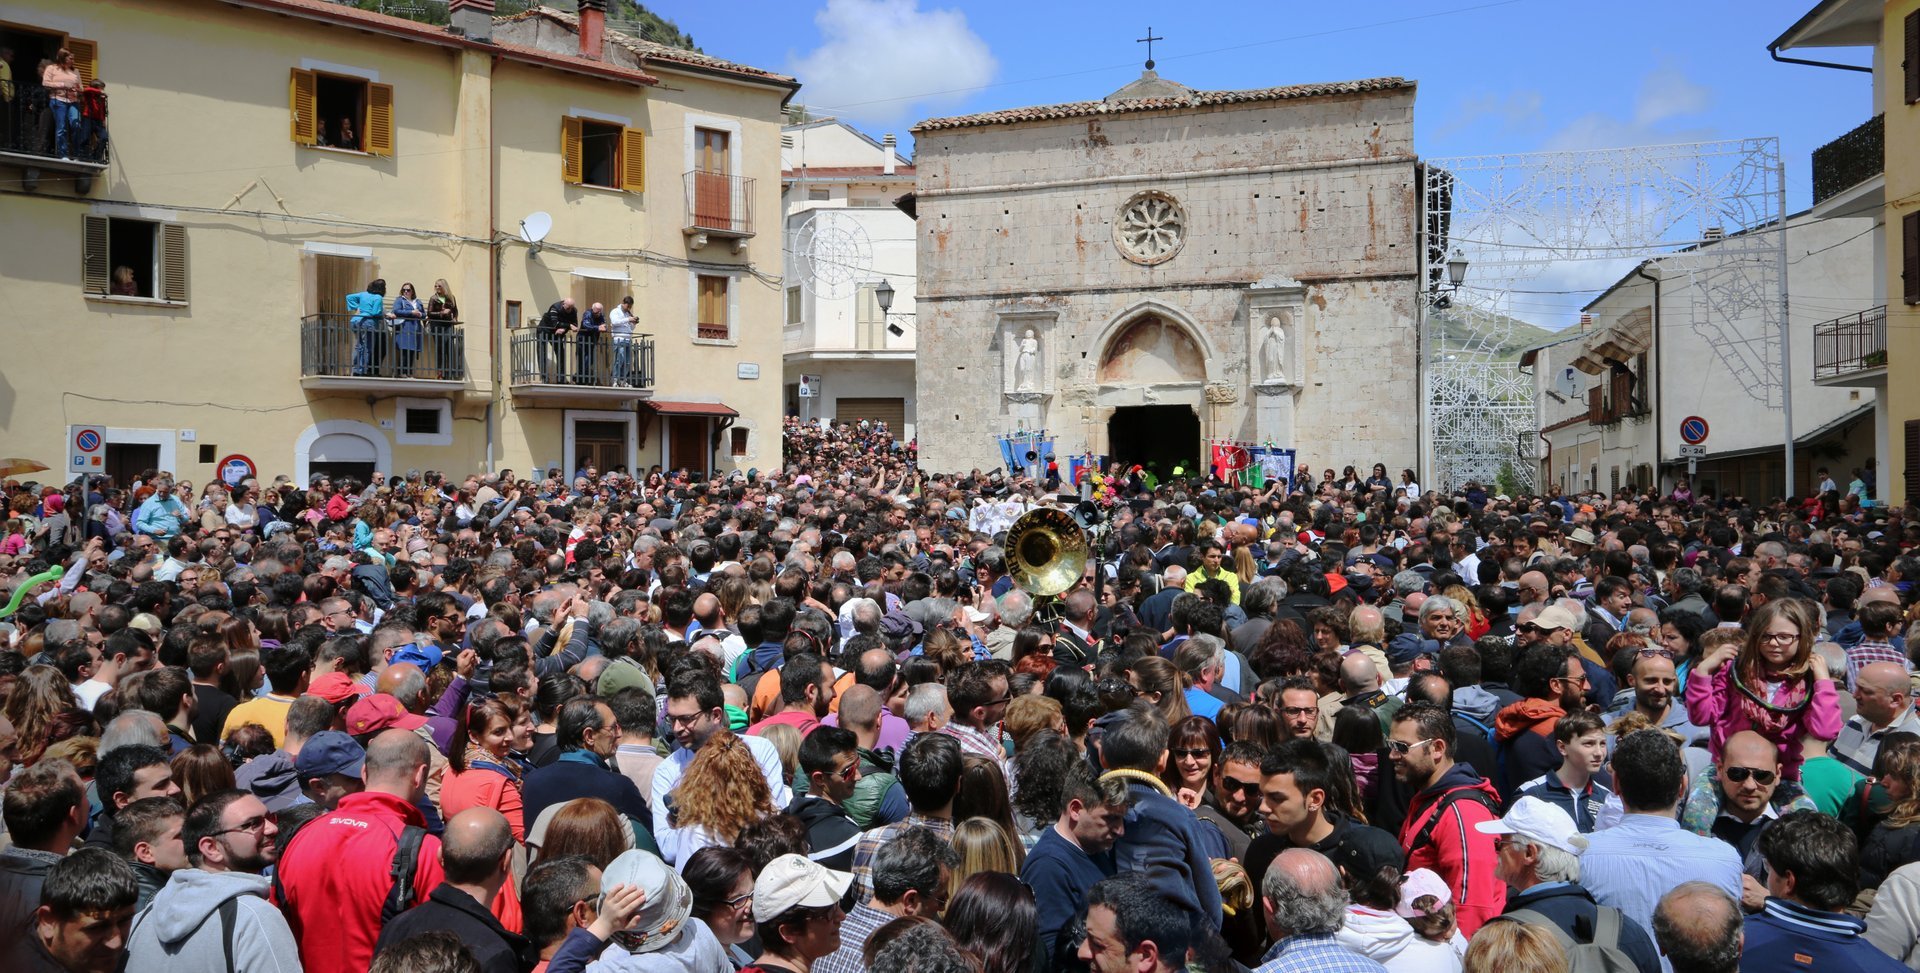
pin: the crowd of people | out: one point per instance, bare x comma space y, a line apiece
805, 721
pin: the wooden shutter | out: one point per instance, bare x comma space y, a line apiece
570, 166
93, 255
86, 57
633, 160
301, 100
173, 262
1910, 257
1912, 460
1909, 66
379, 126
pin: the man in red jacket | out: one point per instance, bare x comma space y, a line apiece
1449, 800
336, 876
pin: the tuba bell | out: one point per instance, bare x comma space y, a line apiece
1047, 551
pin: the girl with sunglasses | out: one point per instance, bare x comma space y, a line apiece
1193, 748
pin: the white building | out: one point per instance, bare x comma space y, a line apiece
1610, 397
846, 245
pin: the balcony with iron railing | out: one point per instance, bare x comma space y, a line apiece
28, 140
1851, 350
569, 366
338, 353
1849, 160
719, 206
1616, 400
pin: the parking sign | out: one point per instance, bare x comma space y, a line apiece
86, 449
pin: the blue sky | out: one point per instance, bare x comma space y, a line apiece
1494, 75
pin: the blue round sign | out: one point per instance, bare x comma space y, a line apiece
88, 440
1693, 430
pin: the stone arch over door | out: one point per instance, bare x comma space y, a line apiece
1153, 345
357, 438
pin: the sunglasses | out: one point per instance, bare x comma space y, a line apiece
1400, 748
1250, 788
1199, 752
1739, 775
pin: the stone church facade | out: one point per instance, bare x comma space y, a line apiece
1139, 274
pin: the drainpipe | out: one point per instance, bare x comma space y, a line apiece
1774, 50
1659, 434
494, 395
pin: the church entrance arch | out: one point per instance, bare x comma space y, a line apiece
1152, 375
1158, 437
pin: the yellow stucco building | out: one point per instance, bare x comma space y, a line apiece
185, 284
1861, 173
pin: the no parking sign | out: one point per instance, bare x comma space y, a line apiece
235, 469
86, 449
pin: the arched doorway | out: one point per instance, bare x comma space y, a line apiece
1156, 362
341, 447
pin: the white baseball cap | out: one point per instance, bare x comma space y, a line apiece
1539, 821
793, 882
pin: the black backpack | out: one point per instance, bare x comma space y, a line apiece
1425, 835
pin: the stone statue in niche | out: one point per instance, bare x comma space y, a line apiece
1273, 348
1026, 366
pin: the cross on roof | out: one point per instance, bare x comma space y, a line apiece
1148, 40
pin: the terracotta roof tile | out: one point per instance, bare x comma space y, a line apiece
1080, 109
650, 49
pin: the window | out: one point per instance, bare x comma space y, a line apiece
513, 315
1910, 257
604, 291
1909, 65
793, 306
818, 194
869, 324
604, 154
423, 422
713, 322
129, 258
340, 112
739, 442
865, 200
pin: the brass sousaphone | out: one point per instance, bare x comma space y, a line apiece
1047, 551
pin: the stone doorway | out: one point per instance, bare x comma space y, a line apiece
1158, 437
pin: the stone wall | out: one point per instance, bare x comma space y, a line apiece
1304, 210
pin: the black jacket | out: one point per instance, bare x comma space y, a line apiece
831, 832
1887, 848
454, 911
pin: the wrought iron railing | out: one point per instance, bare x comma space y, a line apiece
719, 203
343, 346
1849, 344
595, 361
27, 128
1850, 160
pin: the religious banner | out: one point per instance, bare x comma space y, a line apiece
1076, 468
1228, 460
1272, 464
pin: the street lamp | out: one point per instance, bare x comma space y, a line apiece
884, 294
1457, 268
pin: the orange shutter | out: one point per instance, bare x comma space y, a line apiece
86, 57
633, 160
93, 255
173, 262
570, 150
300, 100
379, 126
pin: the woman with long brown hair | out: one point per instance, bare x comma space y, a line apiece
1162, 685
721, 793
1895, 841
482, 770
39, 694
201, 770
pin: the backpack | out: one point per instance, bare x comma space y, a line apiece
1600, 954
1484, 728
1425, 835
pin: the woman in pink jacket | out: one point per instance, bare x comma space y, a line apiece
1772, 683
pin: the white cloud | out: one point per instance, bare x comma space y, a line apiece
1517, 111
888, 61
1666, 97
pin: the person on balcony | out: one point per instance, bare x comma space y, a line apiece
62, 81
559, 321
443, 313
7, 91
93, 122
593, 324
410, 314
621, 327
368, 324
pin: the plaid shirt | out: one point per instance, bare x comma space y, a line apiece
983, 744
1315, 954
871, 841
1868, 652
854, 932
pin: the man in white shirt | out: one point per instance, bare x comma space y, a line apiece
1883, 701
89, 673
696, 711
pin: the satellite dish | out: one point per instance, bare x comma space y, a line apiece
535, 227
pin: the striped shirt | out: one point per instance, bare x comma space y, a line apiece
1315, 954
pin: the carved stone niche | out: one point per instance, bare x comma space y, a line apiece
1027, 354
1276, 317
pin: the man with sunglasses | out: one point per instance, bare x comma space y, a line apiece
1449, 801
1232, 803
1739, 801
215, 914
830, 758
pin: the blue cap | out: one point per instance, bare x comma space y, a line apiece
330, 752
425, 656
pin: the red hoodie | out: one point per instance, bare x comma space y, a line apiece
336, 873
1462, 856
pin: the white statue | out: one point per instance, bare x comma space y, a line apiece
1273, 348
1026, 366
